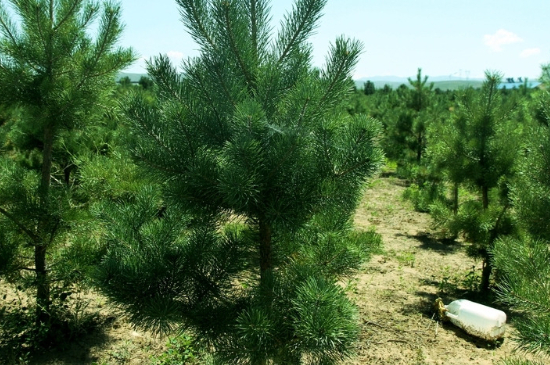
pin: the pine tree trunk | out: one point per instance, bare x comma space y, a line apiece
455, 198
487, 267
67, 175
419, 148
42, 285
485, 196
486, 275
40, 249
265, 249
266, 265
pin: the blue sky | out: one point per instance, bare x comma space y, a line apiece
443, 37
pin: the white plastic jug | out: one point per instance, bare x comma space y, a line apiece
477, 319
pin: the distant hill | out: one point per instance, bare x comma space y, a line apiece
441, 82
457, 84
133, 76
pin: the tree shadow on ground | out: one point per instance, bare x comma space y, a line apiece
77, 350
432, 243
394, 178
478, 342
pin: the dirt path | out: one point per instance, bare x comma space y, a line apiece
396, 290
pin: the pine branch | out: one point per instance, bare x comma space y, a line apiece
183, 128
194, 16
34, 237
282, 161
235, 50
106, 38
165, 76
305, 24
303, 112
344, 54
76, 4
51, 11
221, 79
204, 90
39, 28
254, 29
368, 161
6, 26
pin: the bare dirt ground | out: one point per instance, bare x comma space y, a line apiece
395, 292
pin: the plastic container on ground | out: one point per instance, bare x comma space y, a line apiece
477, 319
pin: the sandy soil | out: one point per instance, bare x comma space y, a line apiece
395, 292
397, 289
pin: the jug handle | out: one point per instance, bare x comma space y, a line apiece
450, 315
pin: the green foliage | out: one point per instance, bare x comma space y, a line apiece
522, 261
186, 278
369, 88
250, 132
57, 78
125, 82
531, 190
545, 74
423, 198
312, 319
178, 274
478, 226
478, 146
332, 254
180, 351
325, 321
146, 83
523, 264
478, 150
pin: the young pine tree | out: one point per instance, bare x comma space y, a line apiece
479, 150
57, 75
249, 132
523, 262
406, 129
421, 100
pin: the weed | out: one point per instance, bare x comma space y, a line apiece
351, 286
472, 280
420, 358
447, 283
467, 280
406, 258
386, 293
122, 354
180, 351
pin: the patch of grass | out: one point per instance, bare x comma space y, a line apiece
406, 258
122, 354
420, 358
452, 282
448, 282
387, 293
351, 286
181, 351
519, 361
471, 280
